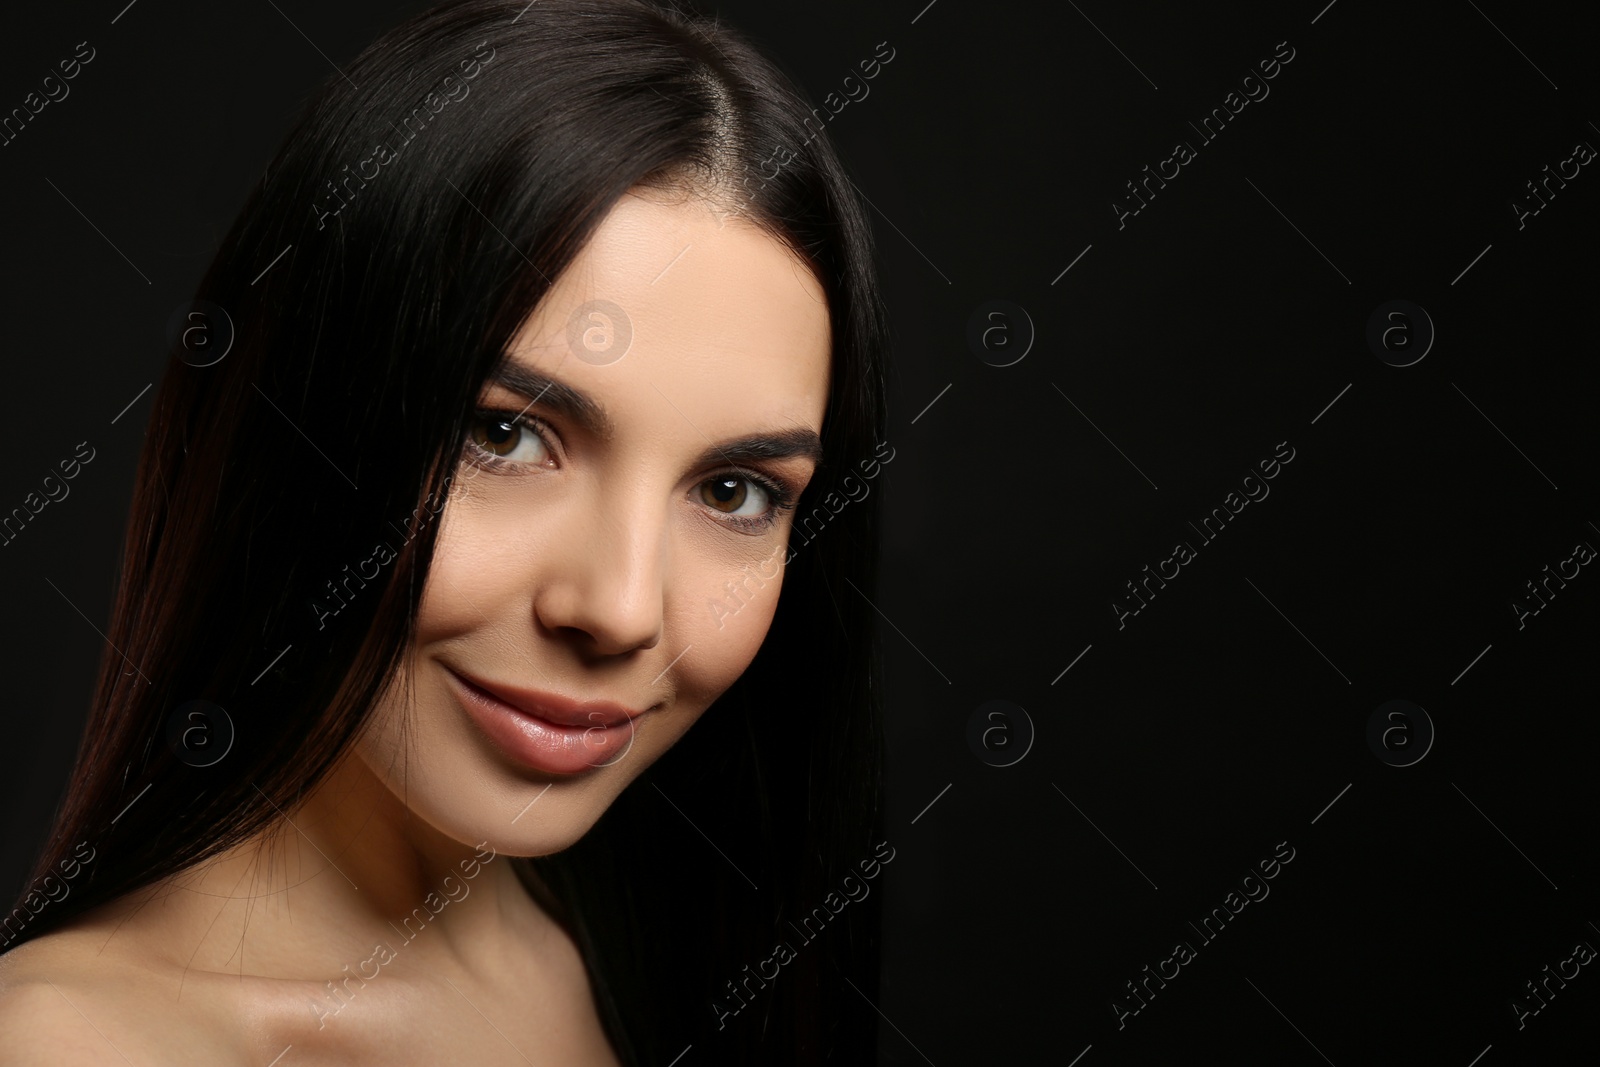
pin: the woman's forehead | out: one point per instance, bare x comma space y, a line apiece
673, 296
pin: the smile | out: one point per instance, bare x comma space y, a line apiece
545, 731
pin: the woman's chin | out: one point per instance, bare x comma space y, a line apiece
515, 817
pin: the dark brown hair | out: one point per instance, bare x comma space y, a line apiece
370, 295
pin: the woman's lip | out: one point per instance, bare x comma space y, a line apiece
553, 707
539, 743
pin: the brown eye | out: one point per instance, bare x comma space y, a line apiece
497, 437
724, 494
505, 437
733, 495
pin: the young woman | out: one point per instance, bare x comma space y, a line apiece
450, 709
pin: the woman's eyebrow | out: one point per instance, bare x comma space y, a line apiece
542, 389
583, 409
783, 444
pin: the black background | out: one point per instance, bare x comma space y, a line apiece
1177, 352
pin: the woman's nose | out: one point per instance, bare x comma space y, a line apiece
605, 581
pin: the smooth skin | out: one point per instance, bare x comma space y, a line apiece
591, 567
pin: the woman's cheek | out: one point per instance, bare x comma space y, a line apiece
477, 560
731, 617
379, 742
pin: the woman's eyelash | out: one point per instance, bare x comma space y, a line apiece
522, 420
780, 495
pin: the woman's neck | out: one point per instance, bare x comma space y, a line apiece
348, 870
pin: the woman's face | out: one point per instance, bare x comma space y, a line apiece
610, 540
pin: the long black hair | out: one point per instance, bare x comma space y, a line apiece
413, 218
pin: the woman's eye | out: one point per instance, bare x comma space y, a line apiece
730, 494
508, 438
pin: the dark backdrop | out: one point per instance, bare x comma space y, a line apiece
1155, 758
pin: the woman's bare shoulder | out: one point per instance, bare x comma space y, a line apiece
64, 1000
40, 982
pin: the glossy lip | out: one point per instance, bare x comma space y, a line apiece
554, 708
546, 731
